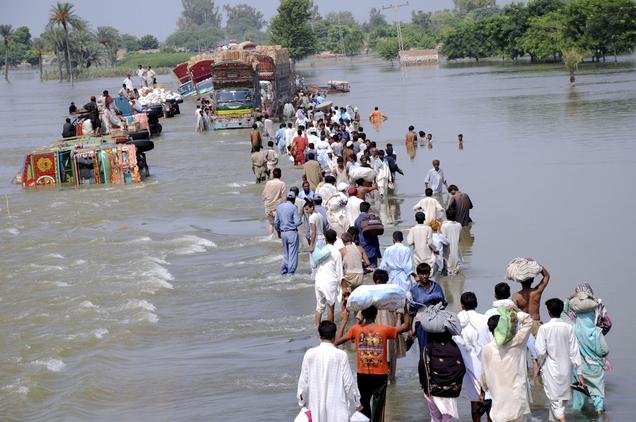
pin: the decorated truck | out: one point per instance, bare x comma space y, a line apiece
277, 77
200, 70
236, 89
186, 87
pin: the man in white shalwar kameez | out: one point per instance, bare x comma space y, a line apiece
505, 375
558, 350
430, 206
353, 206
326, 385
383, 176
472, 340
452, 230
421, 238
328, 275
398, 262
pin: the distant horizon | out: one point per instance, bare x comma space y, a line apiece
159, 18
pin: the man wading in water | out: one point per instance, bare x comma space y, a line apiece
373, 368
528, 299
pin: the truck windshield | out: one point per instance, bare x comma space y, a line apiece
233, 96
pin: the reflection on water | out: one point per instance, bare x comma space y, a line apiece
172, 283
389, 210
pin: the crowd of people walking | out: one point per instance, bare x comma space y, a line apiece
492, 357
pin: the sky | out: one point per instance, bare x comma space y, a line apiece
158, 17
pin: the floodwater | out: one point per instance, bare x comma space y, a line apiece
162, 301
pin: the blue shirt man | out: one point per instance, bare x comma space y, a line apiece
425, 293
286, 222
370, 244
398, 262
280, 139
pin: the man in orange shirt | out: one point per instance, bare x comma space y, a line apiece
377, 116
373, 368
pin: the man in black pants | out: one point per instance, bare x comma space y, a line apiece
371, 344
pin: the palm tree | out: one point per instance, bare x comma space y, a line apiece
108, 37
5, 33
571, 58
38, 49
63, 14
54, 36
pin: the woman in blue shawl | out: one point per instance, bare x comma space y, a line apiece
593, 348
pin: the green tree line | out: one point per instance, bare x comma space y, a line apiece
473, 29
200, 26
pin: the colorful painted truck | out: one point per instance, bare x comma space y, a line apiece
277, 77
186, 86
200, 69
82, 161
236, 89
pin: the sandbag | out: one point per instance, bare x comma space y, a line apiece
506, 327
521, 269
582, 303
436, 319
372, 225
365, 173
304, 415
383, 296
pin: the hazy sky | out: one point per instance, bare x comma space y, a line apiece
158, 17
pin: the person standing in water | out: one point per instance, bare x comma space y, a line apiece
328, 278
255, 137
436, 181
461, 203
371, 343
326, 385
528, 299
505, 373
286, 223
273, 194
411, 141
558, 349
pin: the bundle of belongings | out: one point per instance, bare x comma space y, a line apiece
522, 269
383, 296
436, 319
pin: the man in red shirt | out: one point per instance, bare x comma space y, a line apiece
373, 368
299, 143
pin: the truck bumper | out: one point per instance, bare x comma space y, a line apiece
244, 123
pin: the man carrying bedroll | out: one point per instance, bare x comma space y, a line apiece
373, 368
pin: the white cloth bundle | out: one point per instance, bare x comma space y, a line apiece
521, 269
366, 173
383, 296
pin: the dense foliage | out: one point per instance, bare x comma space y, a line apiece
542, 29
199, 27
475, 29
291, 27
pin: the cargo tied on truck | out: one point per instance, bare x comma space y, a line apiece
243, 80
